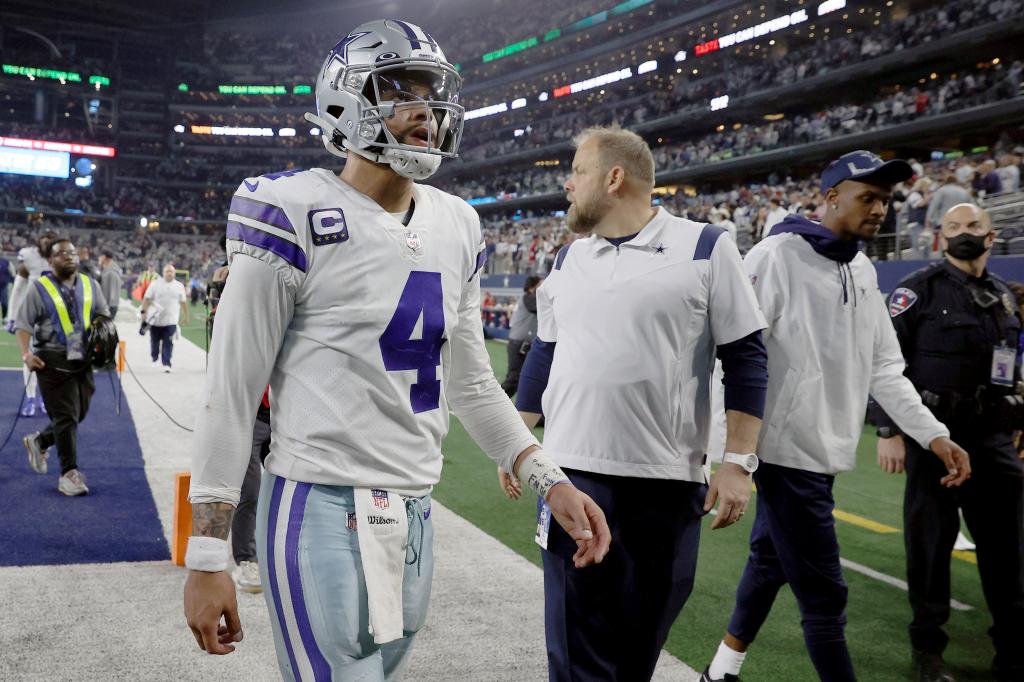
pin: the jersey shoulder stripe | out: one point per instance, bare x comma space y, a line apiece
268, 241
560, 257
259, 218
262, 212
706, 242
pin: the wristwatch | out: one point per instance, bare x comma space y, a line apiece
887, 432
749, 461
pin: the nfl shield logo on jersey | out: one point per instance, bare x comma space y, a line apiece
901, 301
412, 240
380, 499
351, 522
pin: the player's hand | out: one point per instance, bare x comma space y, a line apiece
731, 487
208, 596
892, 454
510, 485
34, 362
956, 459
583, 520
9, 326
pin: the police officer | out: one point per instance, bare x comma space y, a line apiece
958, 327
52, 325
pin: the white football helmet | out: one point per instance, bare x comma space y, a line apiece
378, 69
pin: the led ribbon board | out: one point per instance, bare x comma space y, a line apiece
47, 145
258, 89
765, 27
34, 162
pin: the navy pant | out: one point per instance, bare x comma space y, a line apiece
161, 343
794, 541
609, 621
993, 504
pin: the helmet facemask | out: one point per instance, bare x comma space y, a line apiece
400, 87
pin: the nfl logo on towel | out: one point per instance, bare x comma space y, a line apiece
352, 524
380, 499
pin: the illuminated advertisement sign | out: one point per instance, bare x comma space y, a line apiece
33, 162
32, 73
50, 74
595, 82
499, 108
765, 27
260, 89
46, 145
229, 130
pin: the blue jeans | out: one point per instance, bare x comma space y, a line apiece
161, 343
312, 574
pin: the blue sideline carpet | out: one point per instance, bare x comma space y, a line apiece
116, 521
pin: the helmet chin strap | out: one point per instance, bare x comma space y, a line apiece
412, 165
408, 164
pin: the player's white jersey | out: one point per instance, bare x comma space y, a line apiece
368, 326
33, 261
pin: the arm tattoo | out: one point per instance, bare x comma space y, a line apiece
212, 519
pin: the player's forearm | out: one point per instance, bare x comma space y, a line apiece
212, 519
24, 340
741, 431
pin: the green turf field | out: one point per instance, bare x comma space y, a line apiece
869, 506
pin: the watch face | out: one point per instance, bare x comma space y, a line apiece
751, 462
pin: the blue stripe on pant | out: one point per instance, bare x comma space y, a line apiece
794, 541
609, 621
314, 587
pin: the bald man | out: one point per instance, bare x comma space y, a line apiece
958, 326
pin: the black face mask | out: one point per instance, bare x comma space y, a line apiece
966, 246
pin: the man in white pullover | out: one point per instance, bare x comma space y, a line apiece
357, 298
829, 342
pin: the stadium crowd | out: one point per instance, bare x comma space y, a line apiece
528, 243
958, 91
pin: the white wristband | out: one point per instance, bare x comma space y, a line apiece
540, 473
206, 554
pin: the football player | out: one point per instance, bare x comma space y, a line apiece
31, 264
357, 298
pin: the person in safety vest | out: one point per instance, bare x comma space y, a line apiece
52, 326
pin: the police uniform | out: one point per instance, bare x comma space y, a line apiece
59, 318
959, 335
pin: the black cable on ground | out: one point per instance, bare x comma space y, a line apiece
17, 416
173, 420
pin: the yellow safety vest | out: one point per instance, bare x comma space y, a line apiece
62, 308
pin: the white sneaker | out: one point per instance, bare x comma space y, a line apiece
167, 369
962, 544
36, 454
247, 577
156, 364
73, 483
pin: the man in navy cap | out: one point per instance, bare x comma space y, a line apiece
829, 342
